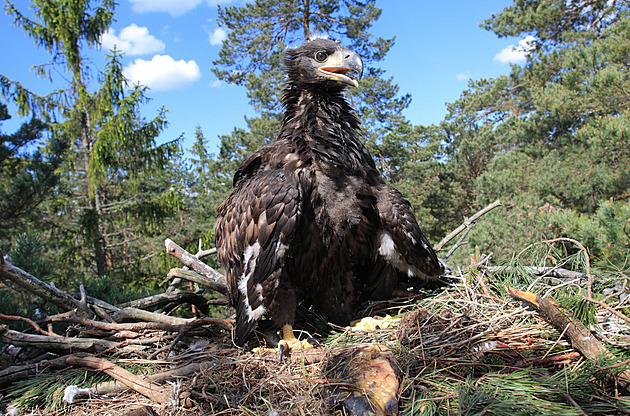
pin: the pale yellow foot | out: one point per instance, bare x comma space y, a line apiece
290, 343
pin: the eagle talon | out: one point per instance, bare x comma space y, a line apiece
290, 342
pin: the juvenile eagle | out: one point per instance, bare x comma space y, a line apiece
310, 219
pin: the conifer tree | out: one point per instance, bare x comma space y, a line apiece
27, 176
110, 201
551, 138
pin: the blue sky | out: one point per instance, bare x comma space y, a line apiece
170, 45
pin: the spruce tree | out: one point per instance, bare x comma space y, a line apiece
110, 201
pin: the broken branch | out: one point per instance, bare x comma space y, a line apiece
213, 277
579, 335
149, 390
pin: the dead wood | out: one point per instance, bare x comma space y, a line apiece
148, 389
35, 286
211, 278
184, 324
54, 343
468, 222
115, 387
21, 372
579, 335
551, 272
162, 299
32, 323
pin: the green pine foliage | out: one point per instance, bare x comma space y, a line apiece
550, 140
113, 193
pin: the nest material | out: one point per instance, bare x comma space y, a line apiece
460, 350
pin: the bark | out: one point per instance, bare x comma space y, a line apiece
579, 336
214, 279
54, 343
148, 389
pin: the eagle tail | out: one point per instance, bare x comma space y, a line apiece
244, 325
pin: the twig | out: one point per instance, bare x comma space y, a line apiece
149, 390
27, 320
197, 265
44, 290
609, 309
467, 223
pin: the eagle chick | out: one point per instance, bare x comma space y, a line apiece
310, 219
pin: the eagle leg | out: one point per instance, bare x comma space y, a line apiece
290, 342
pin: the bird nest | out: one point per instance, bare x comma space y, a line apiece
464, 349
478, 346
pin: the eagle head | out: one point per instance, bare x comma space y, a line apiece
323, 62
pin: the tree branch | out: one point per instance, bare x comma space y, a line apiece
213, 278
580, 337
469, 222
149, 390
44, 290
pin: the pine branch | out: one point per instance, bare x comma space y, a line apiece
580, 337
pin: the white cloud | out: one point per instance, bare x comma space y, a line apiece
217, 83
516, 55
163, 73
217, 36
462, 77
174, 7
133, 40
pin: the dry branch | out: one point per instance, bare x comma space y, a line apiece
214, 279
556, 272
115, 387
44, 290
193, 276
21, 372
467, 223
54, 343
149, 390
579, 335
162, 299
183, 324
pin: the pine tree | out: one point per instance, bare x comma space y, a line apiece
551, 137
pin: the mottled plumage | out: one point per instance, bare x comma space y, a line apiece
310, 219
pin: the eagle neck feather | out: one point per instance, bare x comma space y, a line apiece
321, 121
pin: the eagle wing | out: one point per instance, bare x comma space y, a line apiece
254, 230
400, 240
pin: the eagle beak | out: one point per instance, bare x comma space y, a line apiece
345, 67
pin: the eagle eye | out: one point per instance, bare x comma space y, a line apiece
321, 56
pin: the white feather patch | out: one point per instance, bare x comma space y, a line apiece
387, 249
250, 257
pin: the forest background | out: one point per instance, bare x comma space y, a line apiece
87, 195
